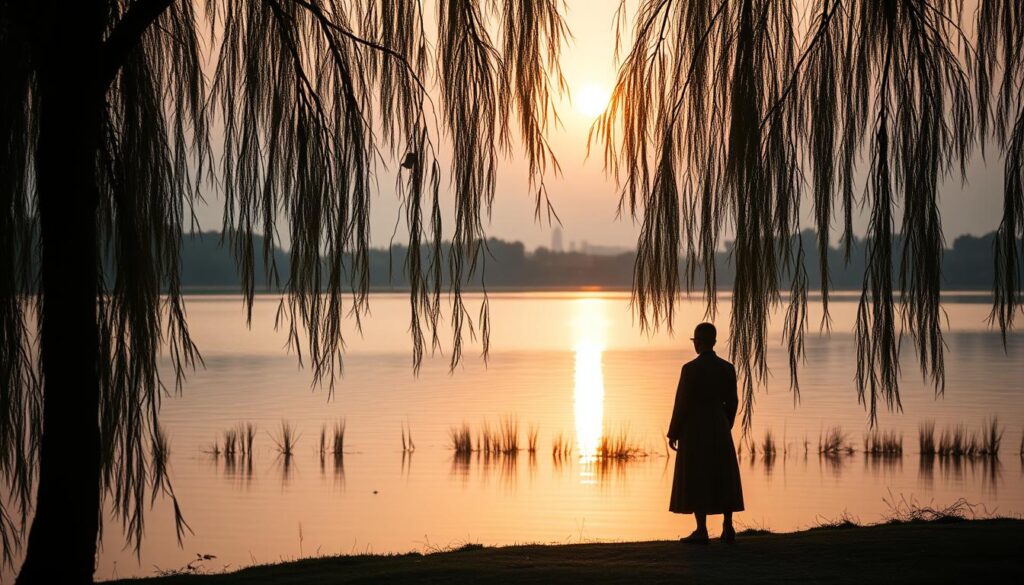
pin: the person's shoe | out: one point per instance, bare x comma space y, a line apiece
697, 537
728, 535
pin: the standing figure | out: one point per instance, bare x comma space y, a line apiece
707, 474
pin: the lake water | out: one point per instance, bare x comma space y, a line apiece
567, 363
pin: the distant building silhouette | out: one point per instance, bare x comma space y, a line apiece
556, 239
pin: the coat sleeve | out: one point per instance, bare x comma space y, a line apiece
731, 398
675, 426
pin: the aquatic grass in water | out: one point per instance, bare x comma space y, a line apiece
502, 439
488, 440
509, 435
213, 449
950, 442
246, 437
287, 440
883, 443
408, 446
561, 447
834, 442
768, 447
992, 438
531, 439
958, 442
926, 438
230, 442
338, 438
323, 442
337, 443
237, 441
461, 439
619, 446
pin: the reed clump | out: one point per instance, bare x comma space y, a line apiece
230, 442
461, 439
408, 446
834, 442
338, 438
531, 439
561, 447
286, 440
886, 443
213, 449
926, 444
508, 435
488, 439
619, 446
500, 439
503, 439
236, 441
768, 445
246, 438
959, 441
991, 438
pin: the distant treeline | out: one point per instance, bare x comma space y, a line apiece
206, 264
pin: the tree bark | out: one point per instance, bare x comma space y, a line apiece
62, 540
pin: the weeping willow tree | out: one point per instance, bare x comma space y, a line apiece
116, 114
726, 119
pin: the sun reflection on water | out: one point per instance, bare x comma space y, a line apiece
589, 398
590, 325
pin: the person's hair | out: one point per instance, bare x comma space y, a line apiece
705, 332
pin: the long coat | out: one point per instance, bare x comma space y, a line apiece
707, 475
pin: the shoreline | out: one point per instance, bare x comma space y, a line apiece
947, 550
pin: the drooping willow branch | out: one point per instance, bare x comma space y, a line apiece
1000, 38
531, 60
886, 82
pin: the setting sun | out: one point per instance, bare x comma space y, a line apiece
591, 100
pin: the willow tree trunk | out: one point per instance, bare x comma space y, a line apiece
62, 540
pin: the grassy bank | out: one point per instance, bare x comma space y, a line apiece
933, 552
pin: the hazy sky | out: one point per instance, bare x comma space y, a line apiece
586, 198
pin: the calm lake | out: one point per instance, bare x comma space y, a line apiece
570, 364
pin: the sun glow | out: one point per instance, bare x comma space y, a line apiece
591, 100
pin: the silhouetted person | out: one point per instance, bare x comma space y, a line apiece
707, 475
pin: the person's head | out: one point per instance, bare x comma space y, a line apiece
704, 337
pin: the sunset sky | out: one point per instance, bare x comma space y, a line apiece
585, 197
